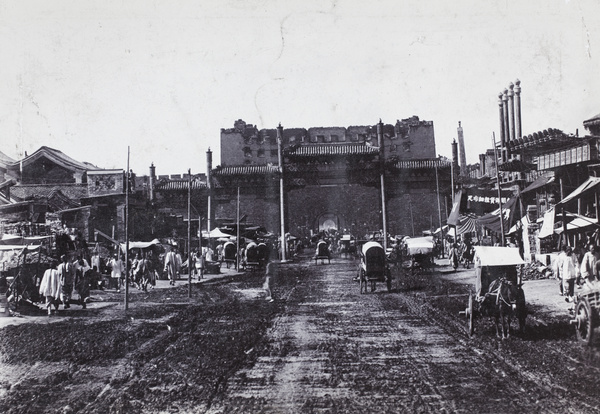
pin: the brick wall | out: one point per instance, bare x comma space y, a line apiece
357, 209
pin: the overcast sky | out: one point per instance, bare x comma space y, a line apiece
92, 77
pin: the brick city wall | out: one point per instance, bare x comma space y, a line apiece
356, 207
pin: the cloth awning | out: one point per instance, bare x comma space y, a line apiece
548, 224
539, 182
591, 183
467, 225
455, 212
10, 239
491, 221
215, 233
18, 247
578, 223
139, 245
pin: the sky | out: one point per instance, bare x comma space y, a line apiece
93, 78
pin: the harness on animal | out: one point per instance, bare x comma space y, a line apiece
496, 286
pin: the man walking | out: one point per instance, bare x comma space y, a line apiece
588, 265
67, 277
171, 266
50, 287
569, 272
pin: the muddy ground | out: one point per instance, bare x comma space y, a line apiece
170, 353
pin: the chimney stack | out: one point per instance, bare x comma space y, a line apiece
461, 149
455, 156
505, 120
518, 108
151, 181
511, 111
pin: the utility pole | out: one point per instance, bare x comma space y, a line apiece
189, 232
437, 185
281, 195
127, 234
499, 192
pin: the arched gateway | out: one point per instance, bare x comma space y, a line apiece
332, 177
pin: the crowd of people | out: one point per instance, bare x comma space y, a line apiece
576, 270
61, 280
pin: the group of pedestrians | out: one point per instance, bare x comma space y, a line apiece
61, 280
570, 271
463, 251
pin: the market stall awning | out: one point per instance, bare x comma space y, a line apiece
140, 245
539, 182
590, 184
11, 239
467, 225
20, 248
215, 233
579, 223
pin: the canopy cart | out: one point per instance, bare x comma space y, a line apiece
373, 267
497, 283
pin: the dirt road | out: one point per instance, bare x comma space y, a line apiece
335, 350
320, 347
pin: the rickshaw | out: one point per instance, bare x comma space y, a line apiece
373, 267
229, 254
252, 259
347, 246
263, 254
498, 288
420, 251
322, 252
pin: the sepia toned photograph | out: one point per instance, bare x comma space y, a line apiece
266, 206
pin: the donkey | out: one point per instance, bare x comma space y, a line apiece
504, 293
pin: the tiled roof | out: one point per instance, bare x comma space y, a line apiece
179, 185
332, 149
58, 157
246, 170
5, 159
546, 140
592, 121
412, 164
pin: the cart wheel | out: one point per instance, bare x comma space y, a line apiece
585, 322
470, 325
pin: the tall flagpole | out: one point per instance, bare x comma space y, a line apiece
127, 234
189, 232
499, 192
237, 262
437, 185
281, 195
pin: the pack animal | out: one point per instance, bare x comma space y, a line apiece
502, 299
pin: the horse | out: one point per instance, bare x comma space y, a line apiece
504, 295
